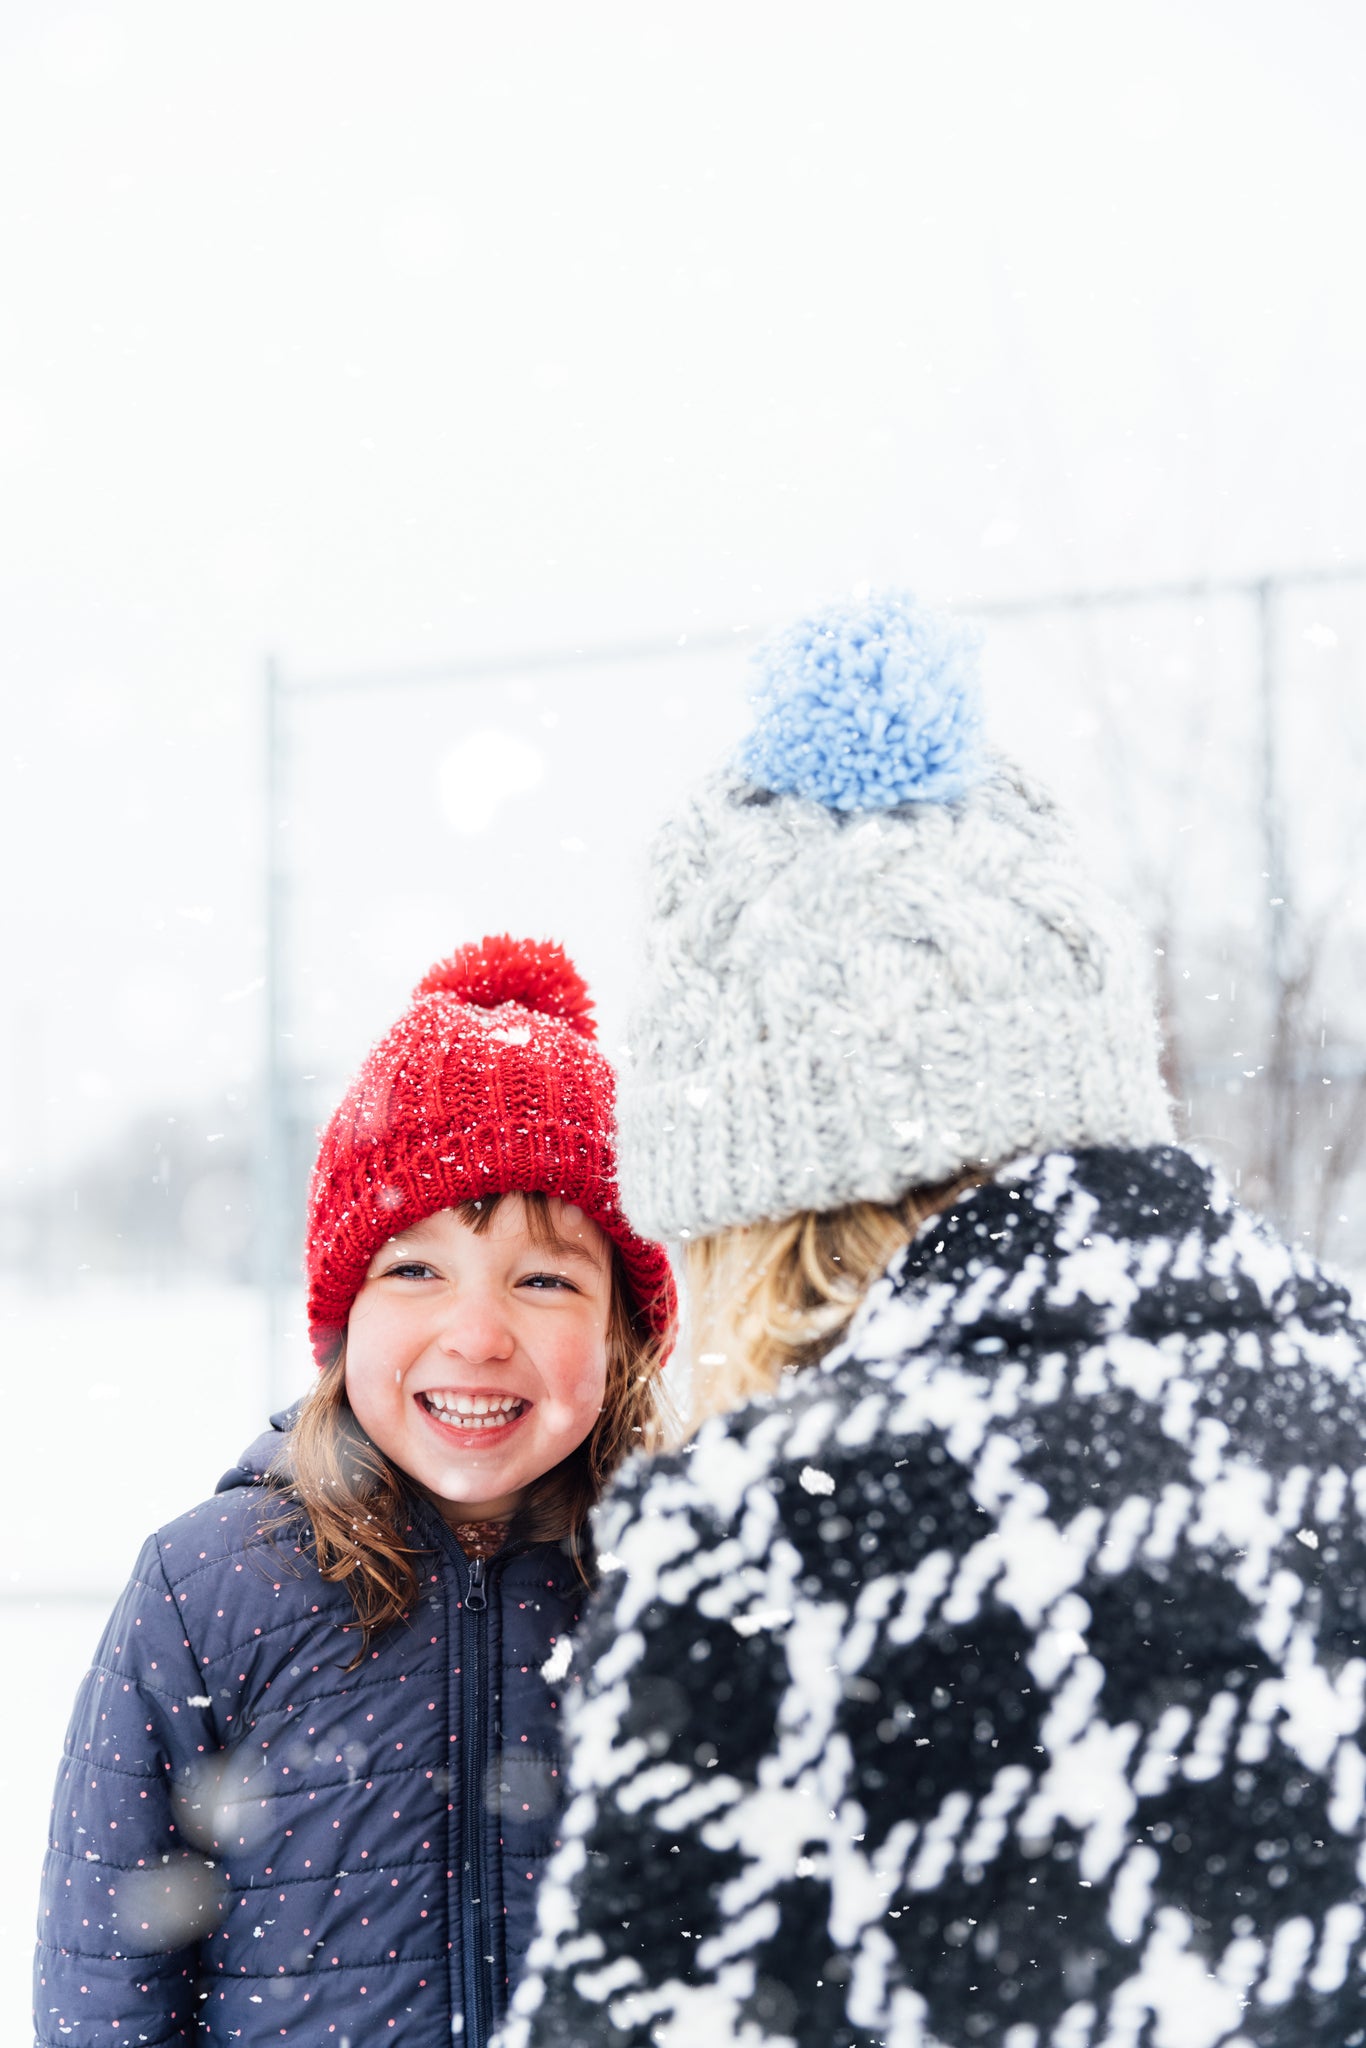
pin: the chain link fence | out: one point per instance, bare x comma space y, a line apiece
1210, 737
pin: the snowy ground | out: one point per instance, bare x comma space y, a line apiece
123, 1408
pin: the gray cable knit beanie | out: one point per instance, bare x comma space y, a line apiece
874, 956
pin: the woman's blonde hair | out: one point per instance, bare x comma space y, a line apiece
359, 1505
770, 1298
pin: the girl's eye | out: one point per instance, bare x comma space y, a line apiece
548, 1281
411, 1269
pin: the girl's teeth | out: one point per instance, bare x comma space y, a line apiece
475, 1411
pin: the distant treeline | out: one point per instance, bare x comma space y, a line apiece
169, 1197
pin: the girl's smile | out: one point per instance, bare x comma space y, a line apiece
474, 1412
475, 1422
476, 1359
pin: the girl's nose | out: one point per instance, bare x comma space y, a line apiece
475, 1330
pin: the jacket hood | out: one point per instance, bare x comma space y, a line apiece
253, 1467
1077, 1248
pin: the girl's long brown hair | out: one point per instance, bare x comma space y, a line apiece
359, 1505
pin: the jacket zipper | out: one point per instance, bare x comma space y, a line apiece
477, 1941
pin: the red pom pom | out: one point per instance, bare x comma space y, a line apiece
536, 973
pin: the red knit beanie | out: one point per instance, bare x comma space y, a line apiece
490, 1084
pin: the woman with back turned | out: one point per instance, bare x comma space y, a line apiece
990, 1668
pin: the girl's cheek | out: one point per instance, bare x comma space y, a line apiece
559, 1415
569, 1419
362, 1311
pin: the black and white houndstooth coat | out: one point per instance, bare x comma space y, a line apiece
1002, 1680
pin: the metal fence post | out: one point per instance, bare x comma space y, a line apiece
1279, 1063
272, 1194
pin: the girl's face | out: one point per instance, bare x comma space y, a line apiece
477, 1362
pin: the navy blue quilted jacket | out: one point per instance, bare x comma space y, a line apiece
251, 1844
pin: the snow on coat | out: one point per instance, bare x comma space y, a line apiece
1001, 1681
250, 1843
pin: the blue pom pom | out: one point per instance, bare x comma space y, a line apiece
867, 705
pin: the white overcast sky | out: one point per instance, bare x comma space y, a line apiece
387, 333
393, 332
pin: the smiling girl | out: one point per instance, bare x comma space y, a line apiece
313, 1775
